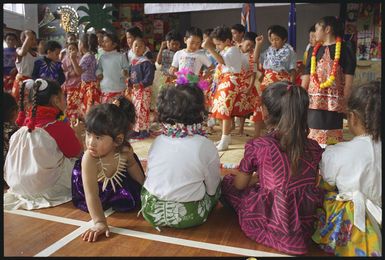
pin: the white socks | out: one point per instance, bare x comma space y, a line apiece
223, 144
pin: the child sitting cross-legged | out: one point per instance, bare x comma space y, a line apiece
183, 171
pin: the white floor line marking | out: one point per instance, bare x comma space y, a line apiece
83, 225
192, 243
46, 217
71, 236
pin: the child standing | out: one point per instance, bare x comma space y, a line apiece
100, 35
170, 198
246, 101
49, 66
227, 79
89, 92
109, 173
141, 78
238, 31
72, 82
279, 60
112, 70
330, 69
40, 157
9, 56
166, 54
24, 61
191, 58
349, 224
275, 194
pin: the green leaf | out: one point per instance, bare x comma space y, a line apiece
84, 19
109, 9
88, 26
84, 9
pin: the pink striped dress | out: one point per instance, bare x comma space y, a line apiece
279, 211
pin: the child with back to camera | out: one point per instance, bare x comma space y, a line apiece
274, 193
183, 171
109, 174
42, 152
349, 223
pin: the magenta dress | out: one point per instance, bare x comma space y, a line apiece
279, 211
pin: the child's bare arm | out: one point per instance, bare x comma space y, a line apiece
27, 44
159, 56
94, 205
257, 49
133, 170
208, 45
242, 180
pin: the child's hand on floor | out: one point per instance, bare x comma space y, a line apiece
91, 235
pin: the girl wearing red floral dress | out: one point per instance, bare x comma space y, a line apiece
328, 77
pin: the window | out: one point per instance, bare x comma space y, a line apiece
16, 8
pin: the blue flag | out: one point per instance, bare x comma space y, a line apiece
248, 17
292, 26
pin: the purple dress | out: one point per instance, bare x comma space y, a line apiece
279, 211
125, 198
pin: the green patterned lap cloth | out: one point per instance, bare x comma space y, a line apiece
177, 214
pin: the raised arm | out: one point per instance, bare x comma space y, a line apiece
208, 45
27, 44
159, 56
257, 49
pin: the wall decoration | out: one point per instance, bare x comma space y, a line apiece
69, 18
98, 17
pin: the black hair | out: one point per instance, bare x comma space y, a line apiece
135, 32
194, 31
287, 107
39, 97
239, 28
312, 28
250, 36
52, 46
221, 33
111, 119
114, 38
9, 106
208, 31
335, 25
73, 44
181, 104
101, 31
90, 42
10, 35
71, 34
278, 30
365, 100
173, 36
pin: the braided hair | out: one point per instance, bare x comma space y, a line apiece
365, 100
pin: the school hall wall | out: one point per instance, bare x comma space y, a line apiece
307, 15
22, 22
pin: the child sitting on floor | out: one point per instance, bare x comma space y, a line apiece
183, 171
274, 193
109, 173
41, 153
349, 223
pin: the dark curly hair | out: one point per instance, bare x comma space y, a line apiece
221, 33
334, 23
194, 31
181, 104
110, 119
278, 30
365, 100
9, 106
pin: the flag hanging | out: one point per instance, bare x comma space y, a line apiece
292, 26
248, 17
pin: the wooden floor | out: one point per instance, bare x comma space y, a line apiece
56, 231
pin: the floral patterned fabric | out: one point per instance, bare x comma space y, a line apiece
272, 76
141, 98
336, 233
73, 102
89, 95
225, 93
245, 103
177, 214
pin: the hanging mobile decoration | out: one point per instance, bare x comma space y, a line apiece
69, 18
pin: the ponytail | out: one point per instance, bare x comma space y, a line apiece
21, 116
31, 123
292, 127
